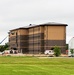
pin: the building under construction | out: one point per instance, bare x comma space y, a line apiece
35, 39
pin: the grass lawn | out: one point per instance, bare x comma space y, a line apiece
36, 66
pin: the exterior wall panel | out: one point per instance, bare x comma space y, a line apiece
56, 32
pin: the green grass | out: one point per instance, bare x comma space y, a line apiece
36, 66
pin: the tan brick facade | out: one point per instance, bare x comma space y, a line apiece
36, 39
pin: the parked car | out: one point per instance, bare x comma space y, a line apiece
49, 52
7, 52
1, 53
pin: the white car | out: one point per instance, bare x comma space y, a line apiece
49, 52
1, 53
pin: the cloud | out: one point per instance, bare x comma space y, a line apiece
19, 13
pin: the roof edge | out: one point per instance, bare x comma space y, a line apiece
45, 24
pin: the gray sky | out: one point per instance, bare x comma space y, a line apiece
19, 13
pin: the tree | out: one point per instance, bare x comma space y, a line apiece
1, 48
57, 51
6, 46
66, 46
72, 51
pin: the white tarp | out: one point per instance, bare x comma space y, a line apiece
70, 46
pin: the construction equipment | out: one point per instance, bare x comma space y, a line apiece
3, 39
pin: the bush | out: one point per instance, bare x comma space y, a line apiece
57, 51
72, 51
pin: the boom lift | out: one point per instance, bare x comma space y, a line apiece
3, 40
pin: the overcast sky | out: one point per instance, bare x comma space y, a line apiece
19, 13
